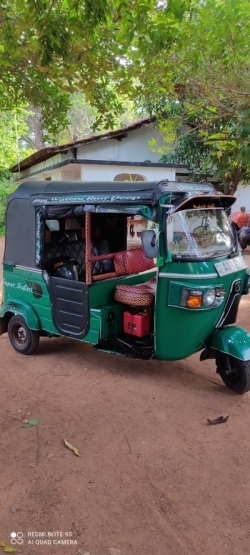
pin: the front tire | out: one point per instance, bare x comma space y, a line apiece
22, 338
235, 373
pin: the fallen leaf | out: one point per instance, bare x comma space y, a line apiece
30, 423
219, 420
71, 447
8, 548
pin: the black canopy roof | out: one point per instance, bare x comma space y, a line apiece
32, 200
143, 189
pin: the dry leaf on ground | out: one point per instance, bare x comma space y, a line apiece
71, 447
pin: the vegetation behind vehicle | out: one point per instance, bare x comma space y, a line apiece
6, 187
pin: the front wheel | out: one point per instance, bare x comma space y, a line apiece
235, 373
22, 338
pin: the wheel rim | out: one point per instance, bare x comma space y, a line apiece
20, 335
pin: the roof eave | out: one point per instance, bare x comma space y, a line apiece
49, 152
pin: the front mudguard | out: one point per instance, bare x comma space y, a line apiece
21, 308
231, 340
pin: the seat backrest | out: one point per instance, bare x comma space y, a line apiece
132, 262
70, 249
76, 250
100, 247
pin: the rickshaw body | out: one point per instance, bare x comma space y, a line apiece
74, 266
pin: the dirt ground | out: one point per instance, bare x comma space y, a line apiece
152, 477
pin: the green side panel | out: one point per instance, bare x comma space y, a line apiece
8, 268
180, 332
101, 302
22, 308
232, 340
27, 288
104, 322
102, 292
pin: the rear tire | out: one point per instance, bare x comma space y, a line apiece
22, 338
234, 373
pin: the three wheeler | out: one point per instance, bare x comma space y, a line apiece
143, 269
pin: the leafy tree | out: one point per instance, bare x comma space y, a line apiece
200, 60
13, 128
6, 187
150, 51
84, 120
205, 146
51, 48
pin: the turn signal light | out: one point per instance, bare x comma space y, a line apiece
191, 298
194, 301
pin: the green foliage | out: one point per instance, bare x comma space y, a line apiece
212, 149
202, 62
6, 188
13, 127
52, 48
189, 150
154, 53
84, 120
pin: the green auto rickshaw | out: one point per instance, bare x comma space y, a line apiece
142, 269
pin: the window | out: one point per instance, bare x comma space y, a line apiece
129, 177
135, 226
199, 234
53, 225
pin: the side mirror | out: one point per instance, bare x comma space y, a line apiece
149, 241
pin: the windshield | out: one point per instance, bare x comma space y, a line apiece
199, 234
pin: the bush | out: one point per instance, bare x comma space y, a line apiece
6, 188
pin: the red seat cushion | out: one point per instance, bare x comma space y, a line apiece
132, 262
136, 295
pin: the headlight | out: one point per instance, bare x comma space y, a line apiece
214, 297
210, 297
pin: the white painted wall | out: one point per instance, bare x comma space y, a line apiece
133, 148
243, 198
55, 175
97, 172
42, 167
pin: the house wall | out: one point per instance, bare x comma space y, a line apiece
243, 198
133, 148
43, 167
95, 172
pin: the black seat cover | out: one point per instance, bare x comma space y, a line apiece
76, 250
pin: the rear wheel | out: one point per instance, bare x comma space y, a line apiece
235, 373
22, 338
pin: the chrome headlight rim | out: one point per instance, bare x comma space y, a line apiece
217, 296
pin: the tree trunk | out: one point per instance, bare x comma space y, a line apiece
35, 139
